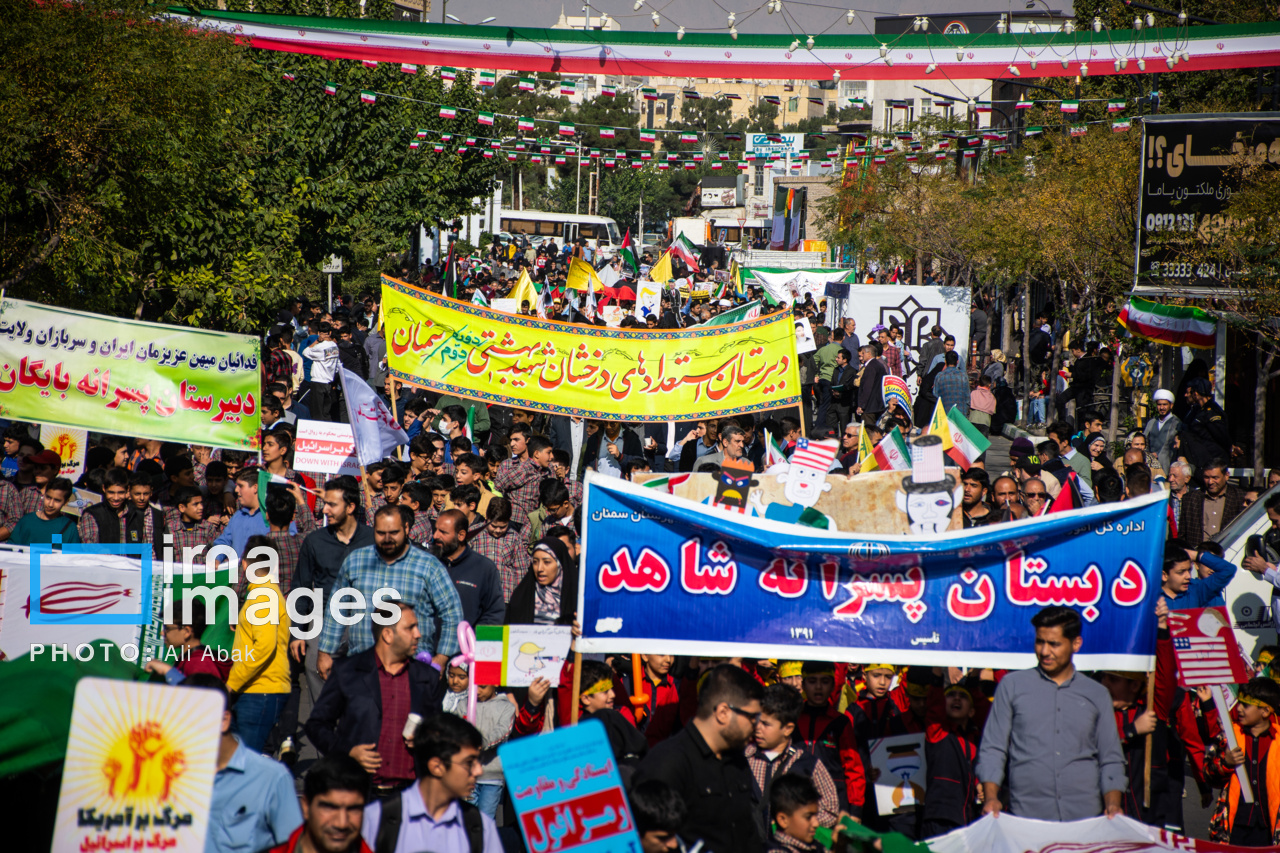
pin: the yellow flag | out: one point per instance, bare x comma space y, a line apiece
582, 275
524, 290
866, 451
941, 427
661, 271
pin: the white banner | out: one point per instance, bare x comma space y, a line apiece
1012, 834
915, 309
374, 428
325, 448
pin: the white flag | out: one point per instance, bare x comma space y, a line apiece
373, 427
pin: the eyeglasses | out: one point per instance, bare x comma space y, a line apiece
753, 717
1034, 496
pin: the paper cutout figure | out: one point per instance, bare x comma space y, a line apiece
804, 482
734, 485
929, 495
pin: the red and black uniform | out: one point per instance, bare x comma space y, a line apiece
876, 718
831, 736
294, 844
659, 718
951, 755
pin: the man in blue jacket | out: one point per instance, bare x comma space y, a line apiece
1181, 588
368, 697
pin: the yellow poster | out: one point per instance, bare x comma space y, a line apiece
634, 375
139, 768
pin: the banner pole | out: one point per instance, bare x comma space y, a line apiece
1224, 717
1146, 762
577, 688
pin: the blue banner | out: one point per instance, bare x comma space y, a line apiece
665, 575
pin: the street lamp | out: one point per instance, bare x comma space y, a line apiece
458, 20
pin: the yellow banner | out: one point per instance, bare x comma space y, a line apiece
582, 275
589, 371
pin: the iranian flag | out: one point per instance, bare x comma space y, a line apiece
890, 454
446, 73
1172, 325
627, 252
1033, 131
413, 145
448, 112
567, 88
471, 140
940, 155
648, 136
288, 76
683, 249
422, 133
566, 128
524, 123
609, 91
1024, 104
607, 133
1079, 129
331, 88
649, 93
646, 155
690, 165
406, 68
1115, 105
438, 148
369, 63
1120, 126
667, 483
526, 84
488, 78
967, 444
484, 118
688, 137
773, 454
561, 160
730, 96
1070, 106
368, 97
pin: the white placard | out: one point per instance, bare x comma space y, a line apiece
915, 310
900, 785
506, 306
327, 448
804, 337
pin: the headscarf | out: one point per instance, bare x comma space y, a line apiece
546, 599
554, 604
1088, 443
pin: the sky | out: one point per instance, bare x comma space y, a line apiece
798, 16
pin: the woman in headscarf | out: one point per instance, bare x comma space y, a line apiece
1096, 444
548, 593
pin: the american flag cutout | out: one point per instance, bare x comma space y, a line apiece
1206, 648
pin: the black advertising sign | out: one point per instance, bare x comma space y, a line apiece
1188, 164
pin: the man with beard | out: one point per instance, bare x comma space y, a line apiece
706, 765
475, 576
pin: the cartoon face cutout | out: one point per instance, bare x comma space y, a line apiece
735, 483
928, 511
803, 486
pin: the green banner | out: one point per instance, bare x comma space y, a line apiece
89, 371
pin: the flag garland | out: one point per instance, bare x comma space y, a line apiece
368, 97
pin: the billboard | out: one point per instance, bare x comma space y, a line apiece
786, 144
1186, 182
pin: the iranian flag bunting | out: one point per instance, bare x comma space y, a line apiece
288, 76
1035, 130
526, 84
484, 118
1172, 325
567, 88
648, 136
488, 78
688, 137
1070, 106
607, 133
448, 112
566, 128
609, 91
369, 63
406, 68
331, 88
1079, 129
446, 73
1115, 105
967, 444
691, 95
649, 93
524, 123
368, 97
1120, 126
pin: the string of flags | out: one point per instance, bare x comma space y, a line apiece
967, 145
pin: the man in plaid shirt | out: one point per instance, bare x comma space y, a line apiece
890, 353
775, 754
283, 509
951, 386
417, 497
188, 528
519, 483
503, 546
562, 466
418, 577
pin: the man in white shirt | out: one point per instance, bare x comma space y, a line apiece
324, 366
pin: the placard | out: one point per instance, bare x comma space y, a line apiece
804, 337
139, 768
506, 306
514, 655
326, 448
901, 784
567, 792
70, 444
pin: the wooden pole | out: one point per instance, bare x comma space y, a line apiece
394, 415
1146, 762
1224, 717
577, 689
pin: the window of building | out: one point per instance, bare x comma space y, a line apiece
793, 104
853, 89
758, 183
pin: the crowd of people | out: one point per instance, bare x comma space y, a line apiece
482, 525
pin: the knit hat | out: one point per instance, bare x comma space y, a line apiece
1021, 447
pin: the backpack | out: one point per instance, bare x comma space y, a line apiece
392, 811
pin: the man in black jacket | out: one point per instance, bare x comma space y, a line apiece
368, 698
475, 576
844, 388
1084, 378
1203, 435
870, 392
706, 766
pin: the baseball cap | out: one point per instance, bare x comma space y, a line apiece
1029, 463
45, 457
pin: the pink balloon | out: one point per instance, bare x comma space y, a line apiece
467, 658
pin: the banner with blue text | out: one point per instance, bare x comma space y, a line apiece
664, 575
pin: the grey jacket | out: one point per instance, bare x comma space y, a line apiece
1160, 439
